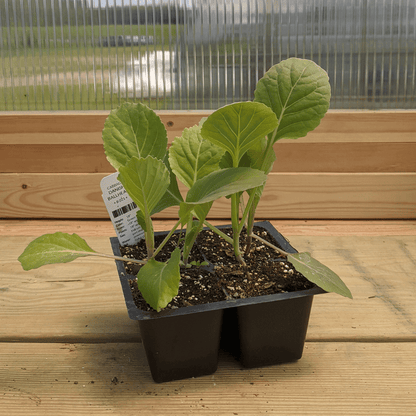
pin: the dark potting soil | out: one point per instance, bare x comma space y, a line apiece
265, 273
197, 285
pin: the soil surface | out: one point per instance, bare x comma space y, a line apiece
265, 272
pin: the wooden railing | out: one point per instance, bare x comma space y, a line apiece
355, 165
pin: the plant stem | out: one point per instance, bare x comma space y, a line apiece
235, 208
251, 215
149, 236
109, 256
219, 232
167, 238
188, 246
249, 239
271, 140
246, 211
266, 243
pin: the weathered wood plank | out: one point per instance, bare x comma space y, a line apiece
82, 301
77, 127
381, 275
316, 136
52, 122
104, 228
57, 138
292, 156
287, 195
99, 379
52, 158
85, 127
50, 302
339, 195
88, 121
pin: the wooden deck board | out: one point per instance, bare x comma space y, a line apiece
86, 127
67, 346
354, 165
82, 300
286, 195
99, 379
105, 228
322, 157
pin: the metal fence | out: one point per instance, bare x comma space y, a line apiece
200, 54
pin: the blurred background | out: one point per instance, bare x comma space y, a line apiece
200, 54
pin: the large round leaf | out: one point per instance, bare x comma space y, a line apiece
146, 181
237, 127
191, 157
298, 91
133, 130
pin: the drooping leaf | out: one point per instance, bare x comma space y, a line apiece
146, 181
191, 157
319, 274
172, 196
133, 130
236, 127
224, 182
54, 248
298, 91
159, 282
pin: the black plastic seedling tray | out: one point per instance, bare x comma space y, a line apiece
259, 331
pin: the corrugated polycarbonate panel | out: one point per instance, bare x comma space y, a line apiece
200, 54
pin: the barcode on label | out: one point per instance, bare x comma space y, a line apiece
120, 211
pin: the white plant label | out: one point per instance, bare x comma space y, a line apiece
122, 210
